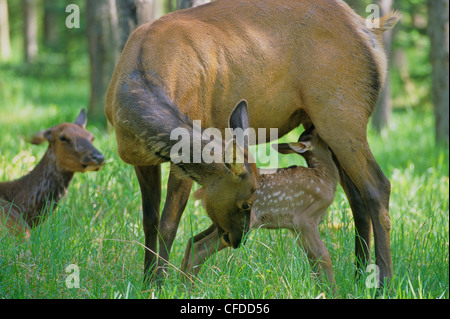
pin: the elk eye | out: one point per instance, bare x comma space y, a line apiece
63, 138
245, 206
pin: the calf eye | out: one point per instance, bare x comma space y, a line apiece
245, 206
63, 138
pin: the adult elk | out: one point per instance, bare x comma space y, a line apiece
294, 61
25, 202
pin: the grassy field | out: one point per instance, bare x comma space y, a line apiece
98, 226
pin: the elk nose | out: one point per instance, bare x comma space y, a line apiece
99, 158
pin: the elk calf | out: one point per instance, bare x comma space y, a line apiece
24, 202
295, 198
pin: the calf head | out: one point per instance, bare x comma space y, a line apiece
72, 146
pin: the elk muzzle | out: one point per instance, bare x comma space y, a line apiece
93, 161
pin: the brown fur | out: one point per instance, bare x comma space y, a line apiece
295, 198
25, 201
294, 61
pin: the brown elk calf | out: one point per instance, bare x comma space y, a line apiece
25, 202
295, 62
296, 198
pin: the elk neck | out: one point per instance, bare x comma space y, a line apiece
47, 183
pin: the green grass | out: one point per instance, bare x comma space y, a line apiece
98, 226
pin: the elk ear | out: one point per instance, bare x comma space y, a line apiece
81, 119
235, 153
42, 137
239, 116
300, 147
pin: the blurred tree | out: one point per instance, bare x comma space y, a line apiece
109, 24
438, 11
30, 28
5, 45
158, 8
184, 4
51, 25
170, 6
103, 41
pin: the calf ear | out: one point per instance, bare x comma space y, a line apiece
42, 137
81, 119
300, 147
289, 148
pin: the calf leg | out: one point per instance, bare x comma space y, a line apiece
309, 237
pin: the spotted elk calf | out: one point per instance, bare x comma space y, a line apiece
296, 198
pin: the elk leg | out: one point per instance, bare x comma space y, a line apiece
316, 251
200, 248
149, 178
361, 217
178, 191
349, 144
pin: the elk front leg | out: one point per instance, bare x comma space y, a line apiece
200, 248
178, 191
149, 178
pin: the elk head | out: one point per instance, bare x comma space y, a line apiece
228, 199
72, 145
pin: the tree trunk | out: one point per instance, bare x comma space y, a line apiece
29, 11
383, 109
103, 41
144, 11
126, 13
158, 9
439, 55
5, 45
184, 4
109, 24
51, 24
